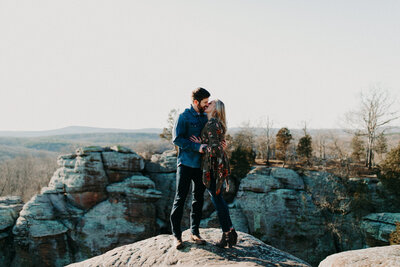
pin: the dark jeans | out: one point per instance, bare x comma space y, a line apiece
185, 175
220, 206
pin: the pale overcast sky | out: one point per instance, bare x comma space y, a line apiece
126, 64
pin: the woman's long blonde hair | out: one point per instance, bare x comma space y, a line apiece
219, 113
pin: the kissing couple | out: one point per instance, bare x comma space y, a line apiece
199, 133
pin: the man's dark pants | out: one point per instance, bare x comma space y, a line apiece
184, 176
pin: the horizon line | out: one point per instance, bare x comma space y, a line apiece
160, 128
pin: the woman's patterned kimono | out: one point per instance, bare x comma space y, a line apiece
215, 162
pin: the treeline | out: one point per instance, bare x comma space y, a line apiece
25, 175
363, 141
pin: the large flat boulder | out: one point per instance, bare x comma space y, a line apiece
159, 251
369, 257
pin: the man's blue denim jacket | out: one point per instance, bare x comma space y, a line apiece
188, 123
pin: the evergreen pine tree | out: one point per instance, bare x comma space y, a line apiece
304, 148
358, 147
283, 138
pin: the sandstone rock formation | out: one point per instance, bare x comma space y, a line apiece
162, 171
310, 216
10, 207
159, 251
162, 163
97, 200
101, 198
370, 257
377, 228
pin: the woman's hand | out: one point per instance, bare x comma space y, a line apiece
195, 139
224, 144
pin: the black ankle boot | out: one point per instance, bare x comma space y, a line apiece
232, 237
224, 241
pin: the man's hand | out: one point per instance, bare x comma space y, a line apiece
195, 139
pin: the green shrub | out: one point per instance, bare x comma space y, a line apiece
241, 160
389, 173
241, 157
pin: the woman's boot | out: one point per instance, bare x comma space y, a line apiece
224, 240
232, 237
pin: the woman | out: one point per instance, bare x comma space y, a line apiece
215, 167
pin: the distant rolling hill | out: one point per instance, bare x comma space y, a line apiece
76, 130
66, 140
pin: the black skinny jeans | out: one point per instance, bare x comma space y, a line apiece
220, 206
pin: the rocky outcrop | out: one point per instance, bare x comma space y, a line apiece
159, 251
310, 216
377, 228
97, 200
162, 171
379, 256
10, 207
101, 198
282, 213
162, 163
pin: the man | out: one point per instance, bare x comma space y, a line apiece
189, 123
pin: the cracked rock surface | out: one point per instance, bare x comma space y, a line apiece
160, 251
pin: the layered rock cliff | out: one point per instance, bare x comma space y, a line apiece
377, 228
97, 200
311, 215
9, 210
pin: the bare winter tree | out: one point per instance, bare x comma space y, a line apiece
167, 131
374, 112
338, 150
320, 144
267, 136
